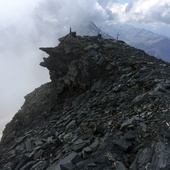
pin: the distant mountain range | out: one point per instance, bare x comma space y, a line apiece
152, 43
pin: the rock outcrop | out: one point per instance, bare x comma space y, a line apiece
107, 107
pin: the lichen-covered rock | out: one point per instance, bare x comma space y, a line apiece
107, 107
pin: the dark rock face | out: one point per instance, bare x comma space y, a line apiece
107, 107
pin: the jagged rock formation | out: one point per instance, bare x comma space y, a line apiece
106, 107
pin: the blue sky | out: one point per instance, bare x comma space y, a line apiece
124, 1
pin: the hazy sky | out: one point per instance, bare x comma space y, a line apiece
25, 25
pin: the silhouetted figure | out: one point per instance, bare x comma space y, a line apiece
72, 33
70, 30
99, 35
117, 36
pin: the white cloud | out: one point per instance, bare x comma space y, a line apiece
14, 11
71, 13
147, 11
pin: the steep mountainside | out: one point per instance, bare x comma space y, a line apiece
151, 43
107, 107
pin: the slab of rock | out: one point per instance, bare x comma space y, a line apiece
122, 143
65, 161
120, 166
68, 166
21, 162
130, 135
78, 145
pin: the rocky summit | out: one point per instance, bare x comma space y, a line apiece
107, 107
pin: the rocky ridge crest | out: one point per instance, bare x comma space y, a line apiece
107, 107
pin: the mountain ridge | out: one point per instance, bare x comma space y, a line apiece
143, 39
107, 106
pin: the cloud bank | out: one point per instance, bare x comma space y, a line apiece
146, 11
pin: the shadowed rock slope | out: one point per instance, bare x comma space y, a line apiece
107, 107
